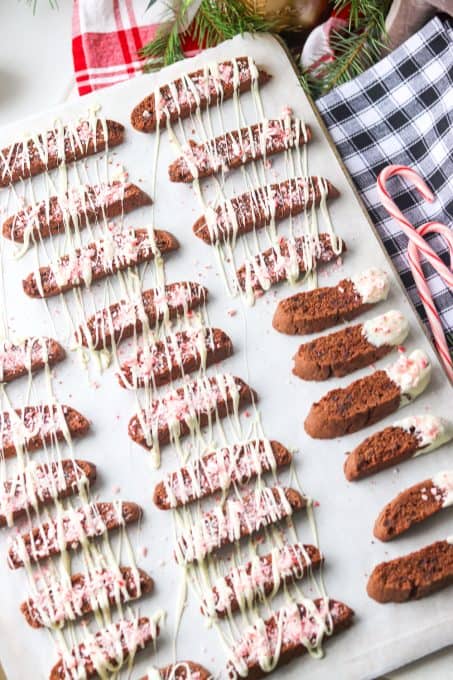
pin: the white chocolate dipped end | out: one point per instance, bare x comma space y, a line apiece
432, 432
411, 373
390, 328
444, 482
372, 285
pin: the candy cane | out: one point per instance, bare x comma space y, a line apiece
417, 246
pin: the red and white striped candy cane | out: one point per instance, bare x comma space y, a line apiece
418, 246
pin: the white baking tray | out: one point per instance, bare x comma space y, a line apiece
382, 637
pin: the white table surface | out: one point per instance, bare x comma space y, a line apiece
36, 73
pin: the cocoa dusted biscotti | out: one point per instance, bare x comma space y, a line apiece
242, 587
414, 505
238, 147
41, 483
370, 399
354, 347
182, 670
236, 519
69, 531
117, 251
217, 470
74, 210
287, 261
40, 153
262, 206
177, 355
202, 401
111, 325
107, 651
289, 633
405, 439
59, 601
33, 427
413, 576
29, 356
315, 310
197, 90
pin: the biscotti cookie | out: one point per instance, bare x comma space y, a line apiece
59, 145
405, 439
238, 147
368, 400
69, 531
196, 90
288, 260
29, 356
37, 426
236, 519
316, 310
287, 634
74, 209
59, 602
201, 402
414, 505
354, 347
243, 586
177, 355
101, 653
181, 670
40, 484
114, 253
413, 576
121, 320
257, 208
216, 471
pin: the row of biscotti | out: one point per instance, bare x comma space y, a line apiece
365, 401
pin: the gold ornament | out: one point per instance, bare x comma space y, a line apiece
290, 14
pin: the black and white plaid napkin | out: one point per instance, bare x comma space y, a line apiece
401, 111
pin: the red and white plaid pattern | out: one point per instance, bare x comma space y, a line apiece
107, 36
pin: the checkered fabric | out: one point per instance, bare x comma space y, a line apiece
401, 111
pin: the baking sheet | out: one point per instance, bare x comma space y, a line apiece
383, 637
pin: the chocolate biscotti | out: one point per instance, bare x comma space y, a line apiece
216, 471
41, 483
73, 210
29, 356
59, 601
37, 426
262, 206
117, 251
121, 320
316, 310
236, 519
405, 439
196, 90
199, 402
243, 586
354, 347
60, 145
238, 147
413, 576
368, 400
290, 632
104, 652
69, 531
177, 355
414, 505
288, 260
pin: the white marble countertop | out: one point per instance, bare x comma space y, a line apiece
35, 73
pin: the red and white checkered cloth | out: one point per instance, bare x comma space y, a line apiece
107, 36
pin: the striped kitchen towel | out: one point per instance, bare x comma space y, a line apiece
400, 111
